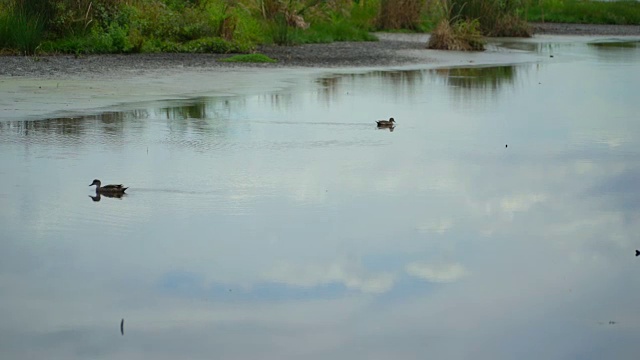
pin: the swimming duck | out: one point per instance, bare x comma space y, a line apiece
386, 123
108, 189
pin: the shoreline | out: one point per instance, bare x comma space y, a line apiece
41, 87
386, 52
585, 29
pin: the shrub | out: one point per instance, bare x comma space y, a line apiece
364, 14
496, 18
248, 30
400, 14
510, 25
99, 26
280, 31
339, 29
209, 45
463, 35
71, 18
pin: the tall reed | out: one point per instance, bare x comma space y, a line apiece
496, 17
400, 14
22, 27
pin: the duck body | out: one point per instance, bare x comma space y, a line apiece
108, 189
386, 123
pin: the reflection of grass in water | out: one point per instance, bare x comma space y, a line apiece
616, 44
477, 83
203, 115
485, 77
402, 82
625, 51
193, 111
109, 123
254, 58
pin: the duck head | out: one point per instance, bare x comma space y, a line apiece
96, 182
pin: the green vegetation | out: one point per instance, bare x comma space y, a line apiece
461, 35
252, 58
400, 14
239, 26
21, 28
496, 18
464, 22
219, 26
587, 12
480, 77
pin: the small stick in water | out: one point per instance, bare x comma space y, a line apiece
122, 327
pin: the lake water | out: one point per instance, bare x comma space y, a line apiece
499, 220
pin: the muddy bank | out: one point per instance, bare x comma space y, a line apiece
340, 54
585, 29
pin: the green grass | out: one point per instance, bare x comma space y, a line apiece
364, 14
323, 32
495, 18
215, 26
223, 26
20, 32
249, 58
587, 12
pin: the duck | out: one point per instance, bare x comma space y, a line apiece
386, 123
108, 189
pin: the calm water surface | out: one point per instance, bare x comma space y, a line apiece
498, 221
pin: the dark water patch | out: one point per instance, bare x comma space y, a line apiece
608, 44
482, 78
620, 52
541, 48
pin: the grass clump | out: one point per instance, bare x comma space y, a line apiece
625, 12
249, 58
496, 18
221, 26
326, 32
323, 24
400, 14
463, 35
21, 29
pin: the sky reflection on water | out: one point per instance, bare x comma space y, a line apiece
285, 224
